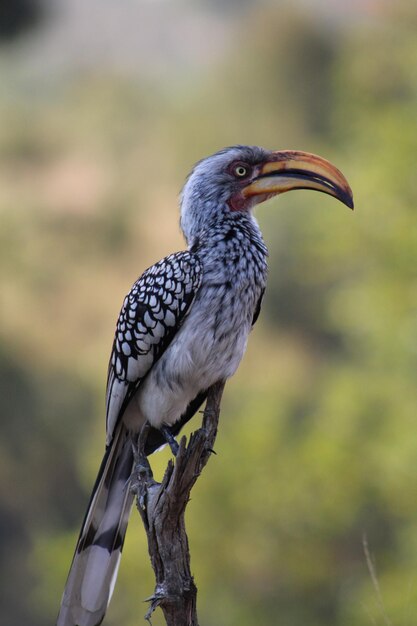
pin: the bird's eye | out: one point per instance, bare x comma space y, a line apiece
240, 170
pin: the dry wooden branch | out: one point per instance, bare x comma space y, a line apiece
162, 508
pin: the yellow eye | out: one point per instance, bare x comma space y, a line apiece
241, 170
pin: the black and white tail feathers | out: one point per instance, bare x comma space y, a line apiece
96, 560
97, 555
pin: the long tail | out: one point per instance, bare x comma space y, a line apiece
96, 560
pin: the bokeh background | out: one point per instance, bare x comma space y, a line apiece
104, 107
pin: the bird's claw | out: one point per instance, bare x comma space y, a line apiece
170, 439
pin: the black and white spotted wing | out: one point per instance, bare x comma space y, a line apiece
151, 315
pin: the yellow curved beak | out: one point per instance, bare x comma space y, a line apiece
291, 169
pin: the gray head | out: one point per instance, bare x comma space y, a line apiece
234, 179
211, 184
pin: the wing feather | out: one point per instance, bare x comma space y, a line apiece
151, 315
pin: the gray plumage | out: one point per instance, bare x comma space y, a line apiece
183, 327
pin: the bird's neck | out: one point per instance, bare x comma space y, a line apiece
233, 243
232, 226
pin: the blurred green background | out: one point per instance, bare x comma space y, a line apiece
104, 107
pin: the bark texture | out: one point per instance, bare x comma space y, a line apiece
162, 508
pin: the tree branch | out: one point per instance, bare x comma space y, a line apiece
162, 508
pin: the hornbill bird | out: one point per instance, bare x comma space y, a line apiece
183, 327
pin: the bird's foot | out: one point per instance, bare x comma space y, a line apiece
170, 439
142, 473
138, 445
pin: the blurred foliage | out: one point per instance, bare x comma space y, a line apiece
317, 444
